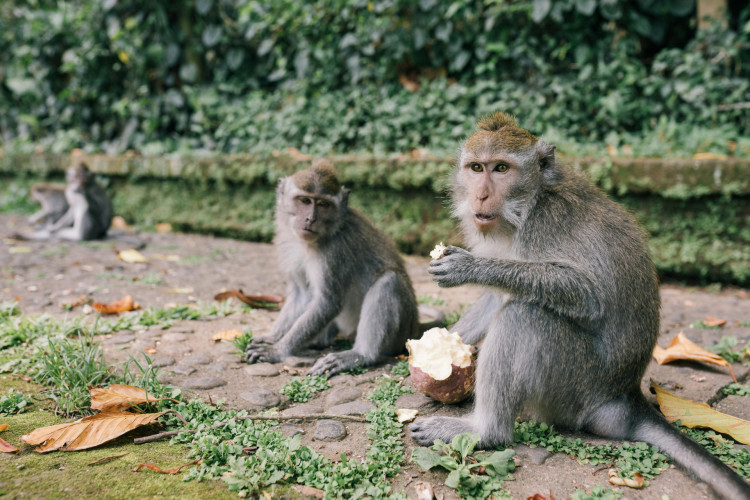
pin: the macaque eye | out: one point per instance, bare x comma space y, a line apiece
304, 200
324, 204
476, 167
502, 167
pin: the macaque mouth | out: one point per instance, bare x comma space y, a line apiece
484, 218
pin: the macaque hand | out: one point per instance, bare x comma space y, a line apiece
256, 353
454, 268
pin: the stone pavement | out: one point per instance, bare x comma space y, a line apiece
187, 268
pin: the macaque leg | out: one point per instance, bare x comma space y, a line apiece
383, 318
474, 323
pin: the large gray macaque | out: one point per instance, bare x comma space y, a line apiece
87, 212
570, 315
343, 276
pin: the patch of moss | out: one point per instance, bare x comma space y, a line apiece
66, 474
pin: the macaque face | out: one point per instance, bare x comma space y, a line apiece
488, 180
313, 215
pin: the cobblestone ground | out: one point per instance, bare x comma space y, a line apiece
187, 268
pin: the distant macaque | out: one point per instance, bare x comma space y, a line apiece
89, 210
52, 199
571, 312
343, 276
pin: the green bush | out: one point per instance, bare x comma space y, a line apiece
337, 76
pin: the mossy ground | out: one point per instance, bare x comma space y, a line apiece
27, 474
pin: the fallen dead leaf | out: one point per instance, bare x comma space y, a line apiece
122, 305
3, 427
131, 255
118, 222
185, 290
150, 350
539, 496
406, 415
82, 299
636, 482
424, 490
106, 459
309, 491
6, 447
20, 250
165, 471
163, 227
681, 348
168, 258
87, 432
118, 397
694, 414
711, 321
269, 301
227, 335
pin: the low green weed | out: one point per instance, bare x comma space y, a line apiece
401, 369
14, 402
301, 389
736, 390
457, 458
727, 347
240, 343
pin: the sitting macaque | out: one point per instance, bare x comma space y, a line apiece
89, 210
52, 199
570, 315
343, 276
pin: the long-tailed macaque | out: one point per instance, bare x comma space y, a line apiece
89, 210
52, 199
343, 276
571, 312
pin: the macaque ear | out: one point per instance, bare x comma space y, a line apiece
545, 155
344, 198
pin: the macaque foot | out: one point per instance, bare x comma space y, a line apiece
426, 430
337, 362
256, 353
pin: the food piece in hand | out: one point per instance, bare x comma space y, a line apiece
441, 365
437, 252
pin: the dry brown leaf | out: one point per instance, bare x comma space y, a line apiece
163, 471
424, 490
711, 321
168, 258
87, 432
6, 447
406, 415
539, 496
123, 305
3, 427
682, 348
118, 397
309, 491
150, 350
82, 299
227, 335
131, 255
184, 290
118, 222
163, 227
636, 482
265, 301
106, 459
694, 414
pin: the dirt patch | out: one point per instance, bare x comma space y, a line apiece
185, 269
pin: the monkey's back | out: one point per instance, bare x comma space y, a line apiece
603, 241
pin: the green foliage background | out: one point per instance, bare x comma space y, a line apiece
333, 76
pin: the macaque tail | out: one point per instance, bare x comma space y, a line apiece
654, 429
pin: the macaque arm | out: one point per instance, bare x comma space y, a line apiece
37, 216
294, 305
559, 286
317, 316
66, 220
474, 323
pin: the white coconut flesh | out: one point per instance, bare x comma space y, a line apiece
437, 351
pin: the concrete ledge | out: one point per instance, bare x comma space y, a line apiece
671, 178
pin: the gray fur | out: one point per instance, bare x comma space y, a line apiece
52, 199
89, 210
350, 279
569, 320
